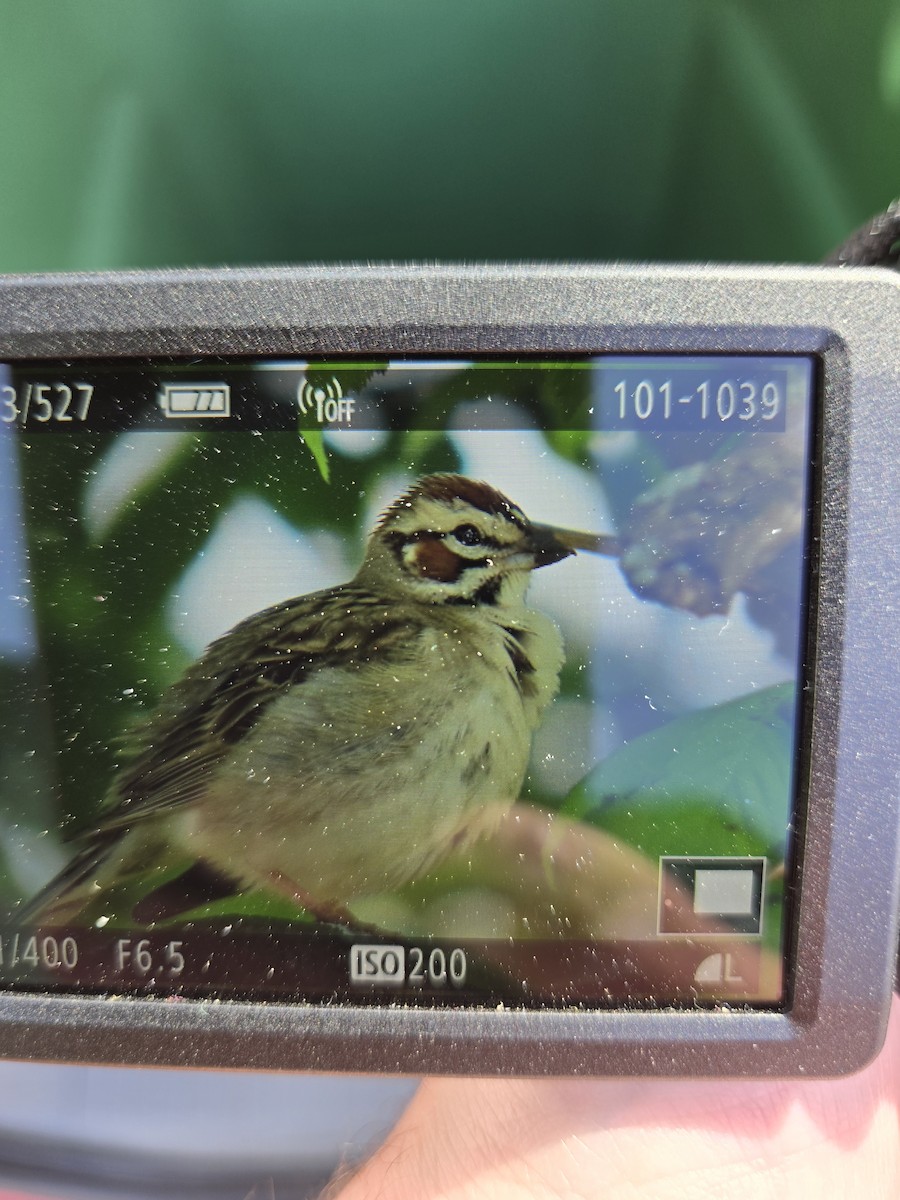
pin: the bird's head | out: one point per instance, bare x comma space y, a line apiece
453, 540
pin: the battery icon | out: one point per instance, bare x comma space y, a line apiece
195, 399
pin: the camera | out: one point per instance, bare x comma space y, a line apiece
450, 669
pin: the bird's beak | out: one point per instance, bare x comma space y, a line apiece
546, 546
550, 544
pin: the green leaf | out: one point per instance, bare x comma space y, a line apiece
416, 445
713, 782
571, 444
245, 904
315, 443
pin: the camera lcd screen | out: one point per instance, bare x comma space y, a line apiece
415, 681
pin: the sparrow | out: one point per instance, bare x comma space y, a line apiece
342, 743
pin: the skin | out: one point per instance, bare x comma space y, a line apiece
478, 1139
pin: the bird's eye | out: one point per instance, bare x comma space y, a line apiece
467, 535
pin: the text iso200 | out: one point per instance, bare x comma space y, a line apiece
399, 966
709, 401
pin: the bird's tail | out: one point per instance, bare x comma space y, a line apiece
105, 861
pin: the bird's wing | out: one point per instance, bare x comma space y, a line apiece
169, 760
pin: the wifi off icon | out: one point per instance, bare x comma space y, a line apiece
325, 402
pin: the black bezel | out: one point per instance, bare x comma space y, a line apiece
845, 918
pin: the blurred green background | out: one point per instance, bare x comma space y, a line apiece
220, 131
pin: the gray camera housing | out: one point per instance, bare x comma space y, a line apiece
844, 938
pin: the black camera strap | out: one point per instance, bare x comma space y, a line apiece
875, 244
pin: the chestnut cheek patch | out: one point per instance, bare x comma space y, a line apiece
436, 561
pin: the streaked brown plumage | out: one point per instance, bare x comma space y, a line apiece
341, 743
